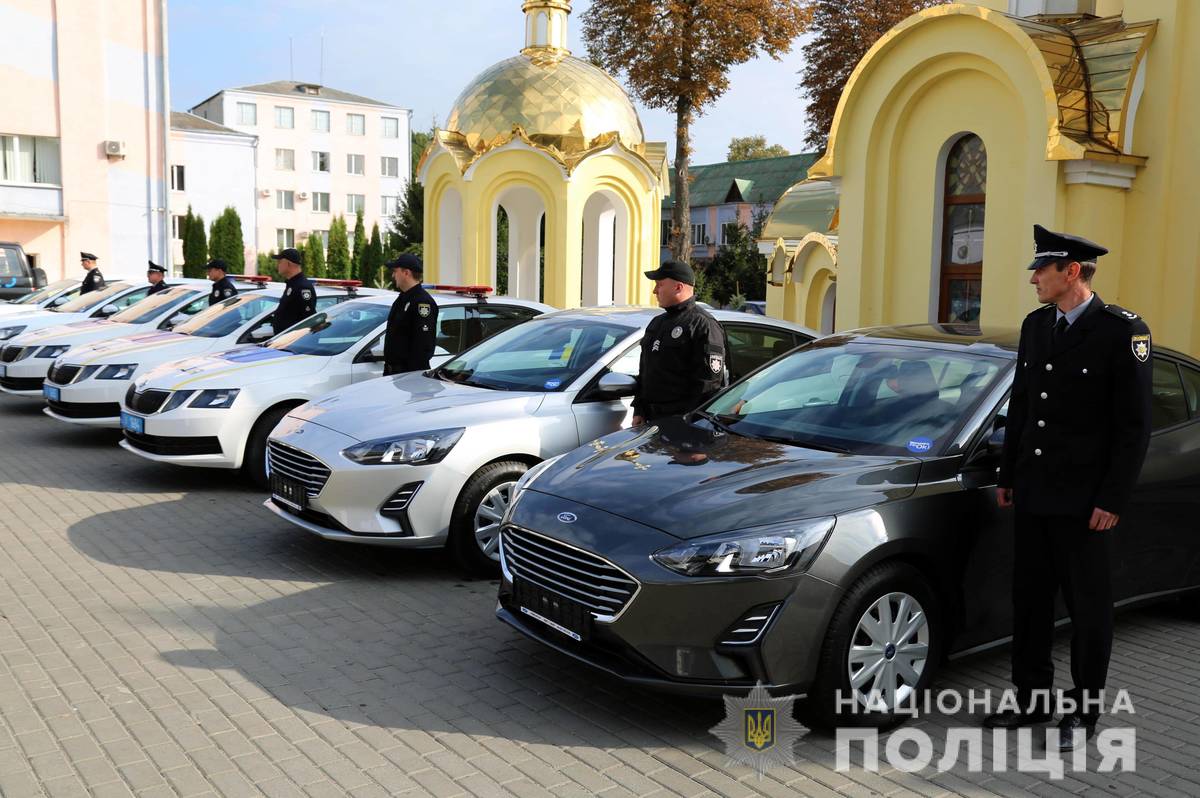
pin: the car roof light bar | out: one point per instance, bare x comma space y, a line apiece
351, 286
480, 291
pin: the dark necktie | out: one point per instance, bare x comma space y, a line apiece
1060, 330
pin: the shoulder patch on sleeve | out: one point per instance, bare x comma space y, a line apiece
1122, 313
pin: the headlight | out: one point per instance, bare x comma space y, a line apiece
177, 399
748, 552
87, 373
529, 476
52, 351
219, 399
11, 332
117, 372
417, 449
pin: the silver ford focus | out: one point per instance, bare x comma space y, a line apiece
430, 459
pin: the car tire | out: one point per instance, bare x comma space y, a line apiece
889, 591
475, 524
254, 464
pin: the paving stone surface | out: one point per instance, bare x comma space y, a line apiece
161, 634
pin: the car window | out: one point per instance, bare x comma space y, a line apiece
498, 318
1191, 384
333, 331
92, 300
629, 363
860, 397
1168, 405
452, 329
10, 263
37, 296
152, 306
132, 298
751, 345
228, 315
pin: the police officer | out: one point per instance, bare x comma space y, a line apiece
156, 276
299, 296
94, 281
223, 288
1077, 431
412, 322
683, 350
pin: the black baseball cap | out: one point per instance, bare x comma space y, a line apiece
406, 261
1051, 247
289, 254
217, 263
675, 270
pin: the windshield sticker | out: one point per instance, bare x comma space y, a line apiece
552, 384
920, 445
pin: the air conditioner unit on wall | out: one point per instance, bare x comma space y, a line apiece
114, 149
266, 192
302, 195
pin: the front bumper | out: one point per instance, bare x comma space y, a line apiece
676, 632
25, 377
193, 437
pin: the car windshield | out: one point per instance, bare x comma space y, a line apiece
863, 398
333, 331
43, 293
152, 307
92, 300
226, 317
539, 355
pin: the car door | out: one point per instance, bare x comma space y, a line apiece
596, 416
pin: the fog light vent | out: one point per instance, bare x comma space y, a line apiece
398, 503
750, 627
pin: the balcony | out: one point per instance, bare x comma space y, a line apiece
31, 201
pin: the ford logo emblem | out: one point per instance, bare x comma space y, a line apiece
568, 518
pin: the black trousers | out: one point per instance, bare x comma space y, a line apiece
1053, 553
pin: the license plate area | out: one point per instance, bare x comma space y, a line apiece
567, 617
51, 392
3, 371
132, 423
290, 493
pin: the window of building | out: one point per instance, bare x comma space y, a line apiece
285, 200
285, 117
665, 239
177, 226
319, 235
389, 167
356, 164
389, 205
247, 114
962, 231
285, 237
320, 201
391, 127
29, 159
177, 181
729, 232
699, 235
356, 203
285, 159
320, 161
356, 124
320, 121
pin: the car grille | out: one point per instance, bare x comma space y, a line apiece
570, 572
315, 517
173, 447
298, 466
63, 375
22, 383
85, 409
147, 402
10, 353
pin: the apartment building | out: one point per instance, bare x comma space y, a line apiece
321, 152
84, 133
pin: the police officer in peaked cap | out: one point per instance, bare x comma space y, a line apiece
1077, 432
412, 322
299, 295
94, 280
683, 350
156, 275
223, 288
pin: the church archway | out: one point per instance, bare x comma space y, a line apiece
525, 209
605, 250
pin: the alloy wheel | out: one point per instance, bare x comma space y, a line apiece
888, 651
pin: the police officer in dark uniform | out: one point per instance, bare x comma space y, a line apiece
1077, 432
299, 296
157, 277
94, 281
683, 350
223, 288
411, 333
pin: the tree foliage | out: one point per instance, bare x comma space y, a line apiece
195, 245
408, 225
314, 257
372, 260
337, 259
418, 143
746, 147
360, 247
844, 31
225, 241
737, 270
676, 55
268, 267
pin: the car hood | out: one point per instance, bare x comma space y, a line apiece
412, 403
42, 319
80, 332
156, 347
234, 368
731, 482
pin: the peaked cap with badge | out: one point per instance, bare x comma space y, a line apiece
1050, 247
161, 285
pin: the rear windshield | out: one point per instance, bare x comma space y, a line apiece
226, 317
152, 307
93, 300
44, 293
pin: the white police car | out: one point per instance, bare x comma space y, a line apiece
216, 410
46, 297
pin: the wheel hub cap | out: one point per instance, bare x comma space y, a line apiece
888, 652
488, 516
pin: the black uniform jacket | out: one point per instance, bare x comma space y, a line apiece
298, 303
1079, 417
154, 289
221, 290
411, 332
683, 361
93, 281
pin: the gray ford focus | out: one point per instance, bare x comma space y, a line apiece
826, 526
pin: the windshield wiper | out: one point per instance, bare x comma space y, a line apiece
821, 447
721, 422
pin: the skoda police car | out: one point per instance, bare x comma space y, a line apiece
92, 379
426, 459
26, 380
160, 311
326, 351
46, 297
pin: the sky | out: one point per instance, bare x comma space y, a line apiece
420, 55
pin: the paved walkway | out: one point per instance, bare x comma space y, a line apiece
161, 634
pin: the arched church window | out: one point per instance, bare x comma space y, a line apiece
962, 231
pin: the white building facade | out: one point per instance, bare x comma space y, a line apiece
321, 152
212, 167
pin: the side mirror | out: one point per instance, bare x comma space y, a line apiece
60, 300
262, 332
108, 310
372, 355
178, 318
615, 386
